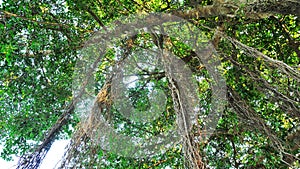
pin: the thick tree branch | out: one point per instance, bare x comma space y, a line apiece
256, 9
284, 7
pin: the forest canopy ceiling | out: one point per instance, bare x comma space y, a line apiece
169, 70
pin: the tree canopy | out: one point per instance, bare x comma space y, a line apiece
149, 65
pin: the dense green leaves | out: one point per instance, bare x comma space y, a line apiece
40, 44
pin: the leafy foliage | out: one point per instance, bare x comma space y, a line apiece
260, 54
